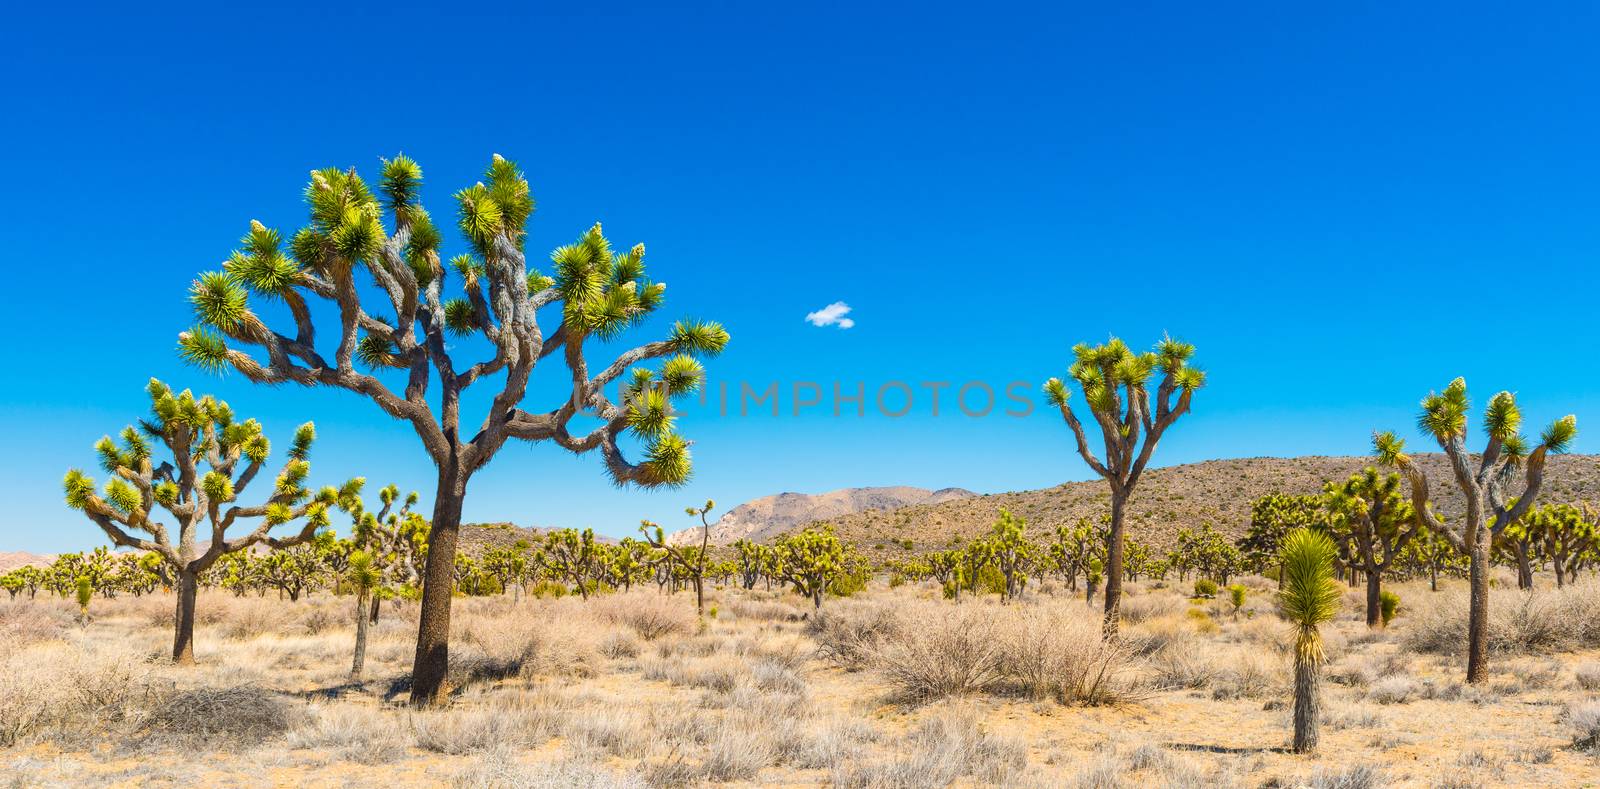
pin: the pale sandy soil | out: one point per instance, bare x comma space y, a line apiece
587, 700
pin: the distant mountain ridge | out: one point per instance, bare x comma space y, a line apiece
767, 517
11, 560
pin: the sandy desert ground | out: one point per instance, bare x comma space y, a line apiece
893, 688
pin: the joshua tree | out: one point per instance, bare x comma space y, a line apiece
1308, 598
600, 294
1236, 597
571, 554
199, 488
690, 560
12, 583
1115, 383
1568, 535
1371, 522
363, 578
1010, 551
1271, 517
812, 560
1483, 481
1074, 548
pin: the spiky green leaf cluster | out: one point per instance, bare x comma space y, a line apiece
304, 435
79, 488
217, 487
1502, 419
203, 348
218, 300
1444, 414
1309, 596
700, 338
1558, 436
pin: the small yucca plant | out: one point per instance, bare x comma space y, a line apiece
85, 594
1309, 598
1388, 606
364, 579
1236, 597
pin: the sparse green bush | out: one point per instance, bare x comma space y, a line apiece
1205, 588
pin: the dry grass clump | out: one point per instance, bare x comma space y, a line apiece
1395, 689
1043, 650
1587, 676
506, 723
359, 734
500, 769
1145, 607
1547, 620
849, 632
70, 693
951, 651
238, 716
31, 621
650, 615
1583, 720
941, 749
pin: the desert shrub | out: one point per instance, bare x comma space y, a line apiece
737, 752
652, 616
835, 743
1587, 675
939, 750
896, 580
1057, 651
354, 733
618, 731
1583, 719
241, 716
1388, 606
1203, 622
501, 769
1396, 689
1205, 588
766, 610
1566, 619
847, 634
1360, 776
27, 623
1246, 676
1146, 607
949, 652
618, 644
548, 588
248, 617
1182, 665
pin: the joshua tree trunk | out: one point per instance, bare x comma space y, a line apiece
433, 631
183, 621
360, 659
1374, 595
1524, 568
1307, 704
1114, 544
377, 605
1478, 615
1433, 577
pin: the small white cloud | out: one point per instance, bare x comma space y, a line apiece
832, 315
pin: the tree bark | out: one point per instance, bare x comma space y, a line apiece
183, 620
360, 659
1114, 540
377, 605
1307, 704
1524, 569
1478, 614
432, 661
1374, 599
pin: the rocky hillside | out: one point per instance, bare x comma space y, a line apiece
763, 518
1218, 492
479, 537
11, 560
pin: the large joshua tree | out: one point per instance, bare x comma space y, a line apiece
1115, 383
1484, 481
215, 458
347, 258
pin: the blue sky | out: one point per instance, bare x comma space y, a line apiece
1342, 208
